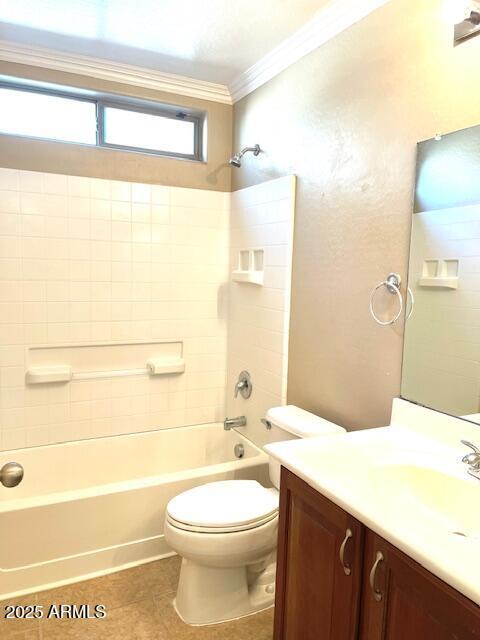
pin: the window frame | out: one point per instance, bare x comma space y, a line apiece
104, 103
103, 100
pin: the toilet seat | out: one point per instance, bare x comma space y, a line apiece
197, 529
223, 507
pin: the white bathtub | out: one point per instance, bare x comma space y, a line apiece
92, 507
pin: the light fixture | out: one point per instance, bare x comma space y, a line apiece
465, 15
454, 11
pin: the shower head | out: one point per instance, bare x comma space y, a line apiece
236, 160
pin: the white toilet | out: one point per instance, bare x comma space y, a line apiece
226, 534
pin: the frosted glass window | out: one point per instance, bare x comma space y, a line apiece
98, 119
139, 130
41, 115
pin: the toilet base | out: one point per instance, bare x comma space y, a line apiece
210, 595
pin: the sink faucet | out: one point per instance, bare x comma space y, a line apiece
232, 423
472, 459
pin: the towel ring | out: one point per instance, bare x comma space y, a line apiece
392, 284
412, 303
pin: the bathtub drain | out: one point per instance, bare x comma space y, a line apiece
239, 450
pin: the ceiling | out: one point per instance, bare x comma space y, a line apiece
211, 40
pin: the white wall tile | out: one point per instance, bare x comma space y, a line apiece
9, 202
54, 183
78, 186
121, 190
30, 181
262, 216
160, 195
100, 188
9, 179
89, 260
142, 193
442, 340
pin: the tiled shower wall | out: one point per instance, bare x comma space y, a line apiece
97, 261
441, 365
262, 217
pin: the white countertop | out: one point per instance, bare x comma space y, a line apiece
405, 482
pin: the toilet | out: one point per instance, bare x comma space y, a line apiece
226, 534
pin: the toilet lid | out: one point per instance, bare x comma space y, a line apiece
227, 504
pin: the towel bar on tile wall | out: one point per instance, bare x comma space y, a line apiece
64, 373
392, 285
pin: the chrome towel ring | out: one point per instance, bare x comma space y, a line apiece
412, 303
392, 284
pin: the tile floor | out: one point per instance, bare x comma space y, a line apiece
139, 607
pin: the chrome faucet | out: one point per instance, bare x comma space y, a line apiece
233, 423
472, 459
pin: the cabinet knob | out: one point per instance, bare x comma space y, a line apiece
346, 567
377, 594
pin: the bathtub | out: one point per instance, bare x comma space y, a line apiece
92, 507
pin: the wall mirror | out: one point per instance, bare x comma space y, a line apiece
441, 360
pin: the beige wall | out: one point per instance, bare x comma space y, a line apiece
37, 155
346, 120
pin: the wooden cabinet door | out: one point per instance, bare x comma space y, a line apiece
403, 601
317, 594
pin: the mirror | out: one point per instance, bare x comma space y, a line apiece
441, 359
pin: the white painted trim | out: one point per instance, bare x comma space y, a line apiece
335, 17
113, 71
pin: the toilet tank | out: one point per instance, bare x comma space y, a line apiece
290, 423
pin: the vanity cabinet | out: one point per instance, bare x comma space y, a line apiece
401, 599
337, 580
319, 566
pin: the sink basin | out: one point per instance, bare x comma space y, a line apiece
448, 500
405, 485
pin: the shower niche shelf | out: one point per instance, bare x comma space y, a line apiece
66, 363
250, 267
440, 274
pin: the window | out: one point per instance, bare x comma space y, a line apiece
101, 120
134, 129
41, 115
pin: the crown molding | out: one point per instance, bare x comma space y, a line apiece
113, 71
335, 17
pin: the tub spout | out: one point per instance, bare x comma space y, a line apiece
232, 423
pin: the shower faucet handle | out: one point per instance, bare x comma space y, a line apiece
244, 385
